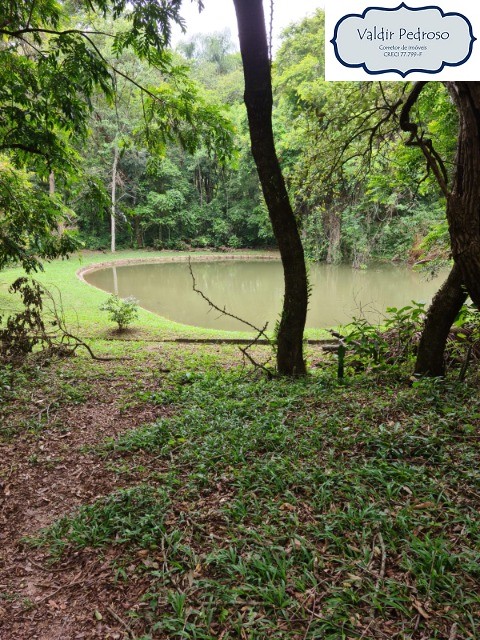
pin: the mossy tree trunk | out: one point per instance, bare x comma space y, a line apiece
463, 203
463, 215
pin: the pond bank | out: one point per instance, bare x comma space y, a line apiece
252, 288
214, 257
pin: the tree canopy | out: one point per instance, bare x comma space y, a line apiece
55, 59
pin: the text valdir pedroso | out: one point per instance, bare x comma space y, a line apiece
399, 40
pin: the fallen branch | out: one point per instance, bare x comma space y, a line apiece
223, 311
127, 628
48, 569
39, 327
40, 601
256, 364
60, 322
261, 333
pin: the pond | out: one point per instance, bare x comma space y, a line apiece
253, 290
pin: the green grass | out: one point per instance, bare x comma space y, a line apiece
287, 509
81, 301
295, 509
132, 516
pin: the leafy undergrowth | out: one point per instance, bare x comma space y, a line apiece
293, 509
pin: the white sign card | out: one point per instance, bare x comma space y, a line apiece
410, 40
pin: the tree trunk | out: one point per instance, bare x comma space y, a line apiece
51, 184
51, 193
333, 230
113, 225
258, 100
442, 313
463, 203
463, 215
115, 281
138, 233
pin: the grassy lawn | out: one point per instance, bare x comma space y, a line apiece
228, 506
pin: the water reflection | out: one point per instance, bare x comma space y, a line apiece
253, 290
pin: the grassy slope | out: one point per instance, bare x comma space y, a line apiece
81, 302
276, 509
264, 509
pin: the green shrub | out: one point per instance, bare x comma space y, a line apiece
123, 311
372, 347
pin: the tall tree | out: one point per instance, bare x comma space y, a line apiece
463, 215
463, 201
50, 67
258, 100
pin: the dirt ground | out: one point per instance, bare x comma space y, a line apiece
45, 476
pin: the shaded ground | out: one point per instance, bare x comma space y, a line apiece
225, 506
49, 468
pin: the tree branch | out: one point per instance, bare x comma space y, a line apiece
260, 332
18, 33
434, 161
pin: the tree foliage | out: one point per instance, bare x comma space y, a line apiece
27, 214
53, 64
186, 175
360, 192
81, 81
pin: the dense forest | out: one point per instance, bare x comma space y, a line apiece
166, 160
359, 192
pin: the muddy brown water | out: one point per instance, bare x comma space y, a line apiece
253, 290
